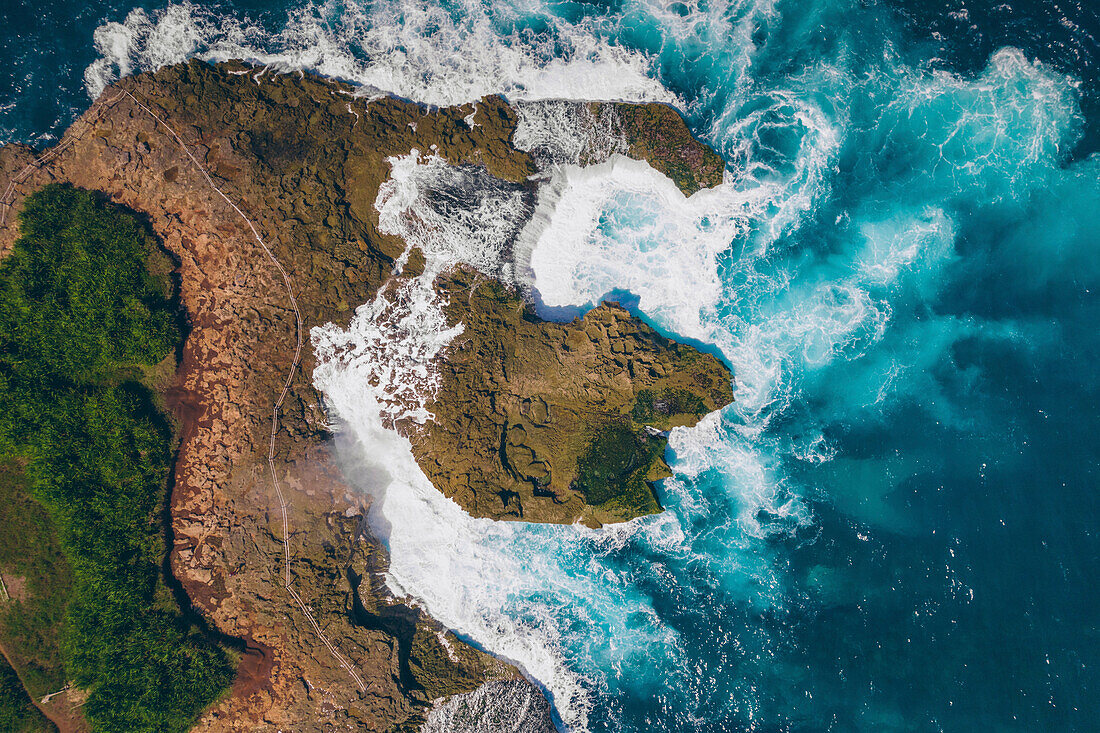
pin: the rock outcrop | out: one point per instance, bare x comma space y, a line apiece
547, 422
304, 159
657, 134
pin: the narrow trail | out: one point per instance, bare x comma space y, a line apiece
52, 695
282, 395
72, 135
53, 153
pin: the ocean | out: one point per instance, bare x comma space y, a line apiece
894, 527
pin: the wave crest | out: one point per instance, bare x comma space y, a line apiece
425, 53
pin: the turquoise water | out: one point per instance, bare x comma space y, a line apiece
894, 528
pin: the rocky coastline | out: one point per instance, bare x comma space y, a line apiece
305, 157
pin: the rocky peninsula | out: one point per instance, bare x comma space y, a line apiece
534, 421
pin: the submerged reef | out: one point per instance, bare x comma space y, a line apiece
533, 420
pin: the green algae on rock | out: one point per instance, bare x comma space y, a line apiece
615, 467
539, 421
657, 134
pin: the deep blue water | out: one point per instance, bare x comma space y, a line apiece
895, 528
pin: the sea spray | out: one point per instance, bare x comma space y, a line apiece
512, 588
489, 581
502, 705
416, 51
455, 215
471, 574
560, 132
817, 299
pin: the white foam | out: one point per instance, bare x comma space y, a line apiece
500, 706
143, 41
428, 54
505, 585
559, 132
713, 267
785, 146
469, 573
510, 587
623, 225
395, 339
471, 119
454, 215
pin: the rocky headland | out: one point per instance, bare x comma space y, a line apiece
535, 421
558, 422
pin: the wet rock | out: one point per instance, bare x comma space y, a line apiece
496, 707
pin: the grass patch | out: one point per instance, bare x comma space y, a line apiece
85, 310
17, 713
31, 621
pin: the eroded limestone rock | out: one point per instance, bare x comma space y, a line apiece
546, 422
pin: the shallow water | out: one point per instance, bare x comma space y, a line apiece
892, 529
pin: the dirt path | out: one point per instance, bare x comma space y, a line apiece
282, 395
62, 708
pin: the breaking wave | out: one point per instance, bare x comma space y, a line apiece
813, 270
430, 54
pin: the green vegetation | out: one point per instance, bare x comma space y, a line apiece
39, 583
656, 133
650, 405
84, 313
612, 472
440, 671
17, 713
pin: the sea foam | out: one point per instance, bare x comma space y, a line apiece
413, 50
514, 588
561, 131
477, 576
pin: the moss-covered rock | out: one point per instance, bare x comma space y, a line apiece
546, 422
614, 467
657, 134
